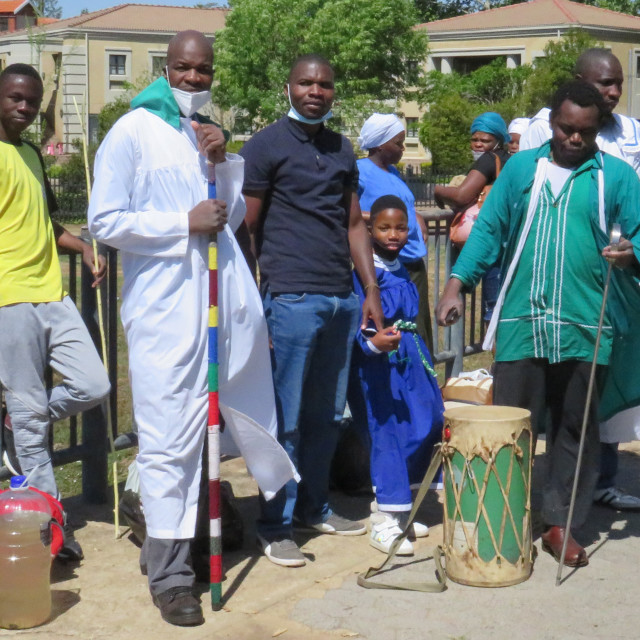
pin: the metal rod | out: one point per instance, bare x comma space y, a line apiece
101, 326
614, 240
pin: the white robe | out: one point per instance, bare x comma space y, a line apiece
148, 175
620, 137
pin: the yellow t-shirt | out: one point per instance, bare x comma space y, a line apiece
29, 266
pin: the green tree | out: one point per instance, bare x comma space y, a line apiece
47, 8
453, 99
554, 68
376, 53
429, 10
445, 132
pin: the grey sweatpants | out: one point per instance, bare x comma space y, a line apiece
33, 336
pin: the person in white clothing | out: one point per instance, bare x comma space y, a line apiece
620, 137
150, 200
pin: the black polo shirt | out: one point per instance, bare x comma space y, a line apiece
302, 237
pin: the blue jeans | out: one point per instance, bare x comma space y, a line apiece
490, 291
312, 337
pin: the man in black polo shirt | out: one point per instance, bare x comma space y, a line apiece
303, 213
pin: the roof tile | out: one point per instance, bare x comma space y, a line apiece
145, 17
536, 13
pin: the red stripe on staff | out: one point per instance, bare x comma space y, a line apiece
213, 287
215, 569
214, 414
214, 498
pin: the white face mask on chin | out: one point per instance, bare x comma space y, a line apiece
478, 154
189, 103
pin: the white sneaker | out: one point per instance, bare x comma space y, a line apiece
384, 530
420, 530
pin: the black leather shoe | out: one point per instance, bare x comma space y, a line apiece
179, 606
71, 550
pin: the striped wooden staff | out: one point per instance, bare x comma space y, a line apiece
213, 422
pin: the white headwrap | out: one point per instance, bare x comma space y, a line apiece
378, 129
519, 125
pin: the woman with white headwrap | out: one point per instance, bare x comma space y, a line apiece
382, 136
516, 128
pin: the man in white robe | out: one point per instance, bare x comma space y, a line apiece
150, 201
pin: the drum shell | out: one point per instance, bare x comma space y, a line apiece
487, 481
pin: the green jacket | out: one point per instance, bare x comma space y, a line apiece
496, 233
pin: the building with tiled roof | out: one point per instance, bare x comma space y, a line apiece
16, 14
95, 56
520, 32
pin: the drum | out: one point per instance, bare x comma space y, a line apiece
486, 459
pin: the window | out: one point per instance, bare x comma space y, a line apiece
117, 65
4, 24
412, 127
94, 125
467, 64
158, 63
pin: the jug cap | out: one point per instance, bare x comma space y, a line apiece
19, 482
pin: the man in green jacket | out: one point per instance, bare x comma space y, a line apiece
548, 218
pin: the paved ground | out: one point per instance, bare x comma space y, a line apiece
106, 597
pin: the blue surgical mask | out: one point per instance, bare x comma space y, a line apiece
294, 115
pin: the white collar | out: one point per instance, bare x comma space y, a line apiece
386, 265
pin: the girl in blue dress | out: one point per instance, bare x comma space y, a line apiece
403, 402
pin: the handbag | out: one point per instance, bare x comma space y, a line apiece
463, 220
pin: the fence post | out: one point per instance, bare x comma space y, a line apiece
94, 423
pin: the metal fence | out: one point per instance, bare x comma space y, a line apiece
88, 440
71, 196
452, 343
422, 182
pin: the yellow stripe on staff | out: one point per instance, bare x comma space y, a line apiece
213, 316
213, 254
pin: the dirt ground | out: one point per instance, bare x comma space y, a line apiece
106, 597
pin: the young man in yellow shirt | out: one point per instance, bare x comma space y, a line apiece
39, 324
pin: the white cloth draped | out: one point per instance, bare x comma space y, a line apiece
620, 137
148, 175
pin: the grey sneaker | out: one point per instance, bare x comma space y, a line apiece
334, 525
616, 499
282, 551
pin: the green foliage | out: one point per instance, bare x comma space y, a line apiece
47, 8
376, 53
429, 10
234, 146
454, 99
555, 68
110, 113
445, 131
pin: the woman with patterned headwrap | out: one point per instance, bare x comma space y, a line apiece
382, 136
489, 136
